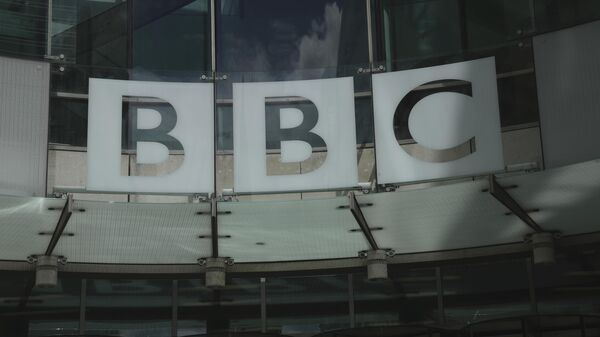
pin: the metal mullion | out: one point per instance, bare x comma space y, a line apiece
214, 204
130, 31
531, 286
369, 33
371, 68
49, 30
440, 295
351, 310
65, 215
213, 40
82, 306
263, 304
361, 221
174, 302
532, 13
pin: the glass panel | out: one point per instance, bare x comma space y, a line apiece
408, 296
570, 285
556, 326
235, 308
417, 30
416, 34
68, 121
90, 32
433, 218
288, 230
129, 328
190, 327
128, 307
498, 327
496, 22
300, 306
23, 28
26, 225
137, 233
278, 37
55, 311
517, 100
46, 328
591, 325
556, 14
13, 289
71, 78
170, 36
137, 40
484, 291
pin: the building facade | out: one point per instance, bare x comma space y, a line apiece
471, 247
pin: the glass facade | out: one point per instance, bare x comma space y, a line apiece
499, 297
265, 40
300, 267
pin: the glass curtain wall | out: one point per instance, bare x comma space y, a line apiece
485, 297
414, 34
274, 41
128, 307
234, 308
23, 28
268, 40
26, 310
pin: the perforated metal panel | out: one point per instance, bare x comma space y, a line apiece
565, 199
136, 233
445, 217
21, 221
567, 66
289, 230
24, 92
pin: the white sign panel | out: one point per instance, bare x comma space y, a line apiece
296, 118
447, 109
183, 123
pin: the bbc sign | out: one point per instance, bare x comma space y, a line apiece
299, 116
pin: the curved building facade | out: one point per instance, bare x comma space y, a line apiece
299, 168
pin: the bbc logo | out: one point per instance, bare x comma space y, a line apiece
450, 111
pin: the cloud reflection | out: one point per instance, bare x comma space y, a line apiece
286, 51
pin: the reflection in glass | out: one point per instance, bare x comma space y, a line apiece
171, 40
236, 307
90, 32
407, 297
128, 307
570, 285
496, 22
23, 28
474, 292
416, 34
288, 39
557, 14
307, 305
68, 122
417, 30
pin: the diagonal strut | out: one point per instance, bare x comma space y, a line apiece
362, 222
503, 197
